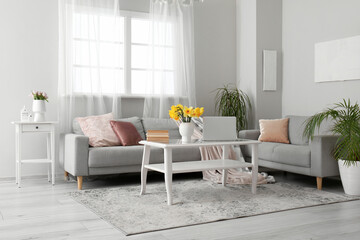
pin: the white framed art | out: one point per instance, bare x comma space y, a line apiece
269, 70
337, 60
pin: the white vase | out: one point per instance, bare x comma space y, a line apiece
186, 130
39, 110
350, 178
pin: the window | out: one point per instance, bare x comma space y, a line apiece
128, 57
151, 67
98, 53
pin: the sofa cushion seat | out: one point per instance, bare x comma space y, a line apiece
132, 155
289, 154
266, 149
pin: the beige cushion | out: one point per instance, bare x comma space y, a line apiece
275, 130
98, 130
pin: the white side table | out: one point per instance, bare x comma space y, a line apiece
35, 127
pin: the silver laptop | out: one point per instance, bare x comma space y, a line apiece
219, 128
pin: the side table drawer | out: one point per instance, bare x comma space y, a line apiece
36, 128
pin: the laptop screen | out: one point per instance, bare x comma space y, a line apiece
219, 128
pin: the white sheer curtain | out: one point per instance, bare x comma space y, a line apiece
91, 65
171, 75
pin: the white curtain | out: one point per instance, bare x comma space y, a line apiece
89, 83
90, 59
171, 73
99, 61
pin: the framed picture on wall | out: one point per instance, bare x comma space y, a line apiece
337, 60
269, 70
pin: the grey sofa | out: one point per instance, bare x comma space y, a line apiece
312, 158
81, 160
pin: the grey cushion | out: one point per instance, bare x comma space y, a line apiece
289, 154
162, 124
266, 150
137, 123
296, 129
77, 128
325, 128
296, 155
132, 155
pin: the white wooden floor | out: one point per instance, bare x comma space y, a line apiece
40, 211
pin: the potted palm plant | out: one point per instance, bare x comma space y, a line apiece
230, 101
346, 118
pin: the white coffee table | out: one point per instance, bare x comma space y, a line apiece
169, 168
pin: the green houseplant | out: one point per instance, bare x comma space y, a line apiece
346, 118
230, 101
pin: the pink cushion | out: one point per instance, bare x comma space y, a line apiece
126, 132
99, 130
275, 130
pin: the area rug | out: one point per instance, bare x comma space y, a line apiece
195, 202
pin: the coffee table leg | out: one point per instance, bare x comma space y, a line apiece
225, 155
254, 162
144, 171
168, 174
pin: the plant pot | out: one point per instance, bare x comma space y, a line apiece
350, 178
39, 109
186, 130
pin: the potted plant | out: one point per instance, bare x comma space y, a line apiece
230, 101
346, 117
39, 108
184, 114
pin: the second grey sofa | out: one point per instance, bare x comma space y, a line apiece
312, 158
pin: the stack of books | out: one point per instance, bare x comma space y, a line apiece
158, 136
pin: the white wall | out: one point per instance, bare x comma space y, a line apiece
305, 23
28, 60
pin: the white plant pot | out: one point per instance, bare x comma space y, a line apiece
350, 178
186, 131
39, 109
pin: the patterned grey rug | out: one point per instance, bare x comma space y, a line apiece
195, 202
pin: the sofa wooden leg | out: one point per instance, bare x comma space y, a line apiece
66, 176
319, 182
80, 182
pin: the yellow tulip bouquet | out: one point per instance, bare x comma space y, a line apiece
184, 113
